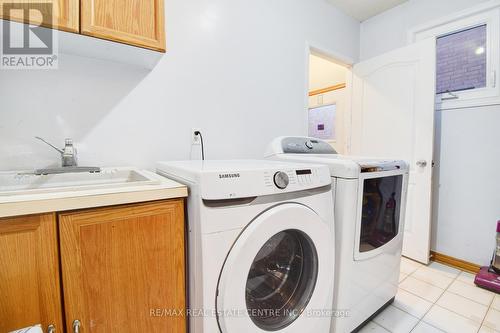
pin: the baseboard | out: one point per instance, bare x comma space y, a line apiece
454, 262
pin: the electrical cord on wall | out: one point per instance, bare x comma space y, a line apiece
202, 147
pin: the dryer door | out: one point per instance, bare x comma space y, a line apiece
380, 214
279, 269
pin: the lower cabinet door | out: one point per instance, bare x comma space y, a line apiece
29, 273
123, 268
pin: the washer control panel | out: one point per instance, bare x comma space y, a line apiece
281, 180
220, 180
298, 178
304, 176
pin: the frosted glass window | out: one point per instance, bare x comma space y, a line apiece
461, 60
322, 122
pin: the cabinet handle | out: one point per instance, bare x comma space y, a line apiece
76, 326
51, 329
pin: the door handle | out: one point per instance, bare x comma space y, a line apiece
422, 163
51, 329
76, 326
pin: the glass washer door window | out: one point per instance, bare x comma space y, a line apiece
281, 280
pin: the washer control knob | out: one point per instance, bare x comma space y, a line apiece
309, 145
281, 180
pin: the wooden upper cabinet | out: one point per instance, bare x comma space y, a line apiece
57, 14
29, 273
121, 263
134, 22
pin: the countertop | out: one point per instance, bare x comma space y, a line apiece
64, 200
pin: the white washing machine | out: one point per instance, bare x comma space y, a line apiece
260, 245
369, 204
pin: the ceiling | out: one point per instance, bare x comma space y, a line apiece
364, 9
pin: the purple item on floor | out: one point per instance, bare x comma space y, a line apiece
488, 279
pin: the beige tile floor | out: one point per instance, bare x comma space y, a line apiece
438, 298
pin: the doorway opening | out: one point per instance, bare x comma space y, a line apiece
327, 103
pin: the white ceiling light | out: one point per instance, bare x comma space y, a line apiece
364, 9
480, 50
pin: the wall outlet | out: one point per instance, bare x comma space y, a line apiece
195, 140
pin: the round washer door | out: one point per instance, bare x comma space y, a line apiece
278, 271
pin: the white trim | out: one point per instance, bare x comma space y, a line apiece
451, 18
487, 13
330, 55
348, 113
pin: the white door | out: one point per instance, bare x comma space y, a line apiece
393, 117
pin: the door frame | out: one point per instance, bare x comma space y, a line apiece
339, 59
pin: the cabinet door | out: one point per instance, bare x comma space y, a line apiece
64, 13
135, 22
29, 273
121, 264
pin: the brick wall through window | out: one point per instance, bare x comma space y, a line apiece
461, 60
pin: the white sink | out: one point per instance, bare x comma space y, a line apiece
22, 183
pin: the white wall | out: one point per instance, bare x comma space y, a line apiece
467, 183
388, 30
235, 69
466, 186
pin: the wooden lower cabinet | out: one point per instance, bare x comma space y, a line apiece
121, 264
29, 273
122, 267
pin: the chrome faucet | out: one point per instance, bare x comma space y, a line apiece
68, 160
68, 153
